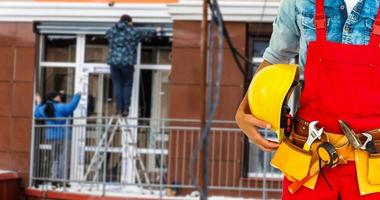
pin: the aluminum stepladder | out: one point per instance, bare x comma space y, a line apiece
129, 151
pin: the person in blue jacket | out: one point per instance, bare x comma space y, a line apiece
57, 132
123, 40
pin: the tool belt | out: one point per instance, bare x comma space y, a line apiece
303, 167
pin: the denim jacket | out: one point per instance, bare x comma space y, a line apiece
294, 27
123, 41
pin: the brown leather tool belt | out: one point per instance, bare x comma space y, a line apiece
301, 131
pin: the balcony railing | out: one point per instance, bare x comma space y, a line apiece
107, 156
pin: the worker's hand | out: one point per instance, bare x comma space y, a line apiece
249, 125
79, 93
37, 99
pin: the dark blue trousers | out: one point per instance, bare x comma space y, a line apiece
122, 78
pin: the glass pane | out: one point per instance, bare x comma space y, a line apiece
100, 96
259, 161
148, 56
145, 91
164, 94
59, 48
96, 49
165, 56
259, 47
154, 94
58, 79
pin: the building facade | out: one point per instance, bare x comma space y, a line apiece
59, 45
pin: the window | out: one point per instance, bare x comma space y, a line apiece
58, 79
96, 49
164, 56
100, 101
57, 65
71, 63
257, 161
257, 50
59, 48
160, 56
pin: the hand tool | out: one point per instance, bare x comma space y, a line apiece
354, 140
350, 134
314, 169
369, 144
328, 154
314, 133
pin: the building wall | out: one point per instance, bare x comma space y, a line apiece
17, 63
186, 100
186, 76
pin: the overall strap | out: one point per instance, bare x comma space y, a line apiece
375, 35
320, 20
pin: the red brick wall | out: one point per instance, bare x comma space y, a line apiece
17, 64
186, 79
186, 102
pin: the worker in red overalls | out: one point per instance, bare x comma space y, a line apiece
338, 43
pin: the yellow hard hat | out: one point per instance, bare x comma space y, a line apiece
269, 91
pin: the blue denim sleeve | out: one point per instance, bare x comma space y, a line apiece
284, 42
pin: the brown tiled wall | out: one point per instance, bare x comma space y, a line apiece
186, 79
17, 64
186, 101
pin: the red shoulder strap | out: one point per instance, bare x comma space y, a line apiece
375, 35
320, 20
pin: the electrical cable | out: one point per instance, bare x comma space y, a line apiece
235, 52
209, 96
213, 102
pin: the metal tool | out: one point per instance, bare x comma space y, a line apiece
369, 144
314, 134
354, 140
350, 134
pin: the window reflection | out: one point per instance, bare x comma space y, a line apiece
259, 47
58, 79
148, 56
96, 49
155, 56
100, 96
164, 56
59, 48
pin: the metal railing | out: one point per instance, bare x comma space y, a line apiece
106, 156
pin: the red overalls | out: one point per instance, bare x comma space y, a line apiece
341, 82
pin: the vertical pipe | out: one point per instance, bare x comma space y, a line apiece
204, 38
